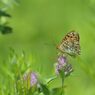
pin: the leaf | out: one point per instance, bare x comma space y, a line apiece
5, 29
32, 91
51, 79
3, 13
57, 91
45, 89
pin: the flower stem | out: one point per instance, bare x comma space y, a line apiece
62, 86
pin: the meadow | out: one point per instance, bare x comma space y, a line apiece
38, 26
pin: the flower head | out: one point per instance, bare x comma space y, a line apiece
62, 60
33, 79
62, 64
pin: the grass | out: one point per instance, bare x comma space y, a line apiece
37, 23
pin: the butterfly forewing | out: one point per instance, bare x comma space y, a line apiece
70, 44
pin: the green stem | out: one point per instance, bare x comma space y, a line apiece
62, 86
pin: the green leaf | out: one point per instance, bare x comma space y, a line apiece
3, 13
45, 89
5, 29
51, 79
57, 91
32, 91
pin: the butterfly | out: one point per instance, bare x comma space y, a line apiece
70, 44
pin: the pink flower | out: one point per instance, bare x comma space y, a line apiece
62, 60
62, 64
33, 79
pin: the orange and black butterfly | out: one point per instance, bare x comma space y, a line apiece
70, 44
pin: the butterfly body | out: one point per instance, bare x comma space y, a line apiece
70, 44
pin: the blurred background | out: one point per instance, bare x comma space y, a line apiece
39, 25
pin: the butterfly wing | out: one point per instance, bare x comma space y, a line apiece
70, 44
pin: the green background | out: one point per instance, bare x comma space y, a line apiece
40, 25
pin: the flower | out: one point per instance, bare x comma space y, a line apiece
33, 79
62, 64
68, 69
62, 60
